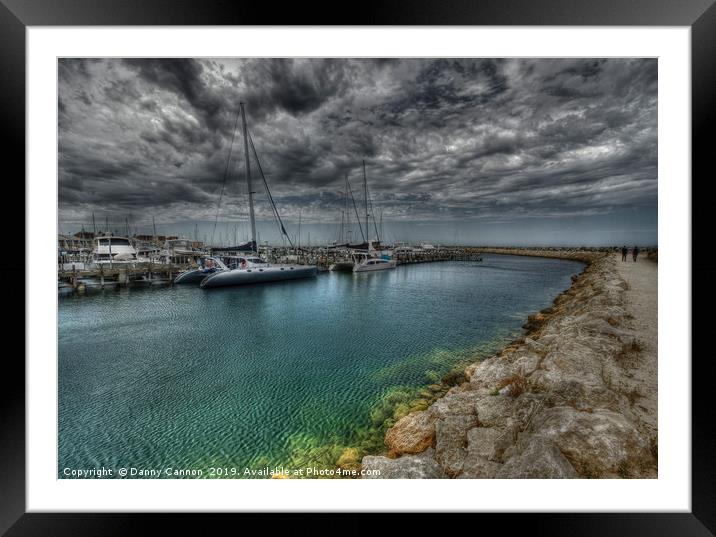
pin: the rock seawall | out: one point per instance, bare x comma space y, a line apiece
560, 402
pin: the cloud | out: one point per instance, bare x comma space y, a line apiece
480, 139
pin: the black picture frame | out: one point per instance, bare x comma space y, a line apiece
699, 15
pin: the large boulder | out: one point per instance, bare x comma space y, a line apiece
494, 410
475, 467
422, 466
479, 460
488, 374
412, 434
599, 443
451, 441
540, 460
455, 403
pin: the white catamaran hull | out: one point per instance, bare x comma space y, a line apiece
273, 273
193, 276
372, 265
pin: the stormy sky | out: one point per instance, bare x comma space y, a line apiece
473, 151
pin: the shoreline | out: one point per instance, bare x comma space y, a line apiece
558, 402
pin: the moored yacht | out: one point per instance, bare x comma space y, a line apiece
251, 267
110, 249
368, 264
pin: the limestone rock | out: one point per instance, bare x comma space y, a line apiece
414, 433
596, 443
540, 460
451, 441
475, 467
494, 410
454, 404
481, 441
490, 372
527, 362
422, 466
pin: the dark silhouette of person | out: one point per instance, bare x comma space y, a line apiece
635, 252
624, 253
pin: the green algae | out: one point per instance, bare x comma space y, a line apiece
394, 403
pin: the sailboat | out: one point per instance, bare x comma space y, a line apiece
367, 261
346, 263
253, 268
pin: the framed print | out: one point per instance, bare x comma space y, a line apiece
405, 262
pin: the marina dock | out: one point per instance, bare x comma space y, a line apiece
80, 276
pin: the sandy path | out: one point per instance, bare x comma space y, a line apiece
642, 302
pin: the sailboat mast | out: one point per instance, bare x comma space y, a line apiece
348, 216
248, 177
365, 188
340, 235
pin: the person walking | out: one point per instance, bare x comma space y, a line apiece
624, 253
635, 252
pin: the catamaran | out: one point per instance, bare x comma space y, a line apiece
368, 261
375, 263
253, 268
207, 265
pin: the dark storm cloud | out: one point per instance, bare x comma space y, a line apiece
499, 139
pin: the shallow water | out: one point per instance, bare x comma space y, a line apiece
248, 376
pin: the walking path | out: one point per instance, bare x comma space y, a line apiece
641, 304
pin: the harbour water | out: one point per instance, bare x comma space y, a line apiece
242, 377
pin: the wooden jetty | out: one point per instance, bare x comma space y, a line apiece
121, 274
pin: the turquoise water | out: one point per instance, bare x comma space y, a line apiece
240, 377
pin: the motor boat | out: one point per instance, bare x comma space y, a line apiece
110, 249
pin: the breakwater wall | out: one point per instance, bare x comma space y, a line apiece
559, 402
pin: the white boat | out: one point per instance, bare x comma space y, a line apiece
252, 268
114, 250
374, 263
257, 270
367, 262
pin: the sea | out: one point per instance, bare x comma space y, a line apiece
226, 382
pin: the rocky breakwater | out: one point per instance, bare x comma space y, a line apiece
560, 402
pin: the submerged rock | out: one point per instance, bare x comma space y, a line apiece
422, 466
